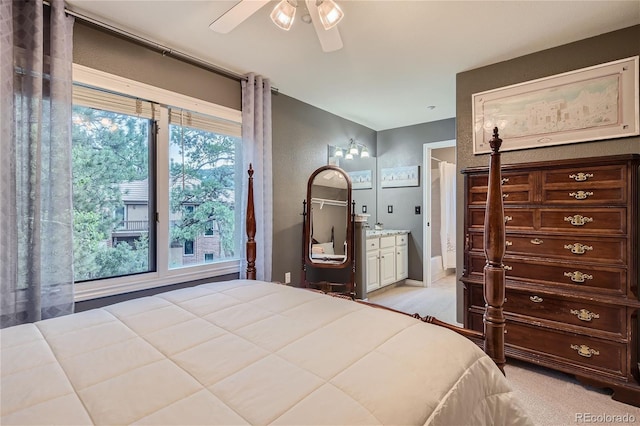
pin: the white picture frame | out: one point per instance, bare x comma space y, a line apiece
395, 177
589, 104
361, 179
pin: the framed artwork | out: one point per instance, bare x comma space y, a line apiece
595, 103
400, 176
361, 179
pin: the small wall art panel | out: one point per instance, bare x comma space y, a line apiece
361, 179
400, 176
595, 103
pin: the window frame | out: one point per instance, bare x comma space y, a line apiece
162, 276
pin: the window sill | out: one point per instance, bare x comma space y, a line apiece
113, 286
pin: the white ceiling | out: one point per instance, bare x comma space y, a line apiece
399, 57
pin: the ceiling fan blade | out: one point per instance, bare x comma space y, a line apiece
236, 15
330, 39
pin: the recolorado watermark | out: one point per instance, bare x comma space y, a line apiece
605, 418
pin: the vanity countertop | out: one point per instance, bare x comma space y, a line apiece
371, 233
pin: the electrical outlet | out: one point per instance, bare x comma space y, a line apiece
287, 277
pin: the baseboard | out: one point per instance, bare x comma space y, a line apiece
413, 283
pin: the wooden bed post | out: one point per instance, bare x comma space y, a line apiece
251, 230
494, 248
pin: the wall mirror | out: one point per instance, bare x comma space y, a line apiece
362, 171
328, 226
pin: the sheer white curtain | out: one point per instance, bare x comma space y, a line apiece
256, 147
448, 213
36, 270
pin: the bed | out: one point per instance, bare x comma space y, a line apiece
249, 352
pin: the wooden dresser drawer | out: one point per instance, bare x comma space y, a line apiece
590, 196
585, 176
567, 310
576, 348
601, 279
509, 179
509, 196
520, 219
578, 248
596, 250
593, 220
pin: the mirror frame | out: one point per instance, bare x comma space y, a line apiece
349, 252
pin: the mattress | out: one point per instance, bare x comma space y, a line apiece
247, 352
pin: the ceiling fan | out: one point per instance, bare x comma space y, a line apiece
324, 14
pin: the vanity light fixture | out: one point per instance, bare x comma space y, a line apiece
353, 150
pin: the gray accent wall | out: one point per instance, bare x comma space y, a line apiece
584, 53
404, 147
301, 134
105, 51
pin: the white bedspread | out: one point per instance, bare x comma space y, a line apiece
247, 352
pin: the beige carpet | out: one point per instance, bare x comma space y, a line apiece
550, 397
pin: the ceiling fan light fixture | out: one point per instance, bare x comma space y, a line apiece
330, 14
283, 14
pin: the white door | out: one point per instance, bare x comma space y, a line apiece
426, 202
373, 270
387, 266
402, 262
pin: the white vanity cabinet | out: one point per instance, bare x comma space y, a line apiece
373, 264
402, 257
386, 259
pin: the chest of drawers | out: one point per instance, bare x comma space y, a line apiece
571, 266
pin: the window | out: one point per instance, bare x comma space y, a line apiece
110, 159
151, 181
208, 232
188, 248
203, 186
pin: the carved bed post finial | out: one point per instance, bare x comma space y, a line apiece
494, 248
251, 229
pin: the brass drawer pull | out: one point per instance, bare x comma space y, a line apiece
505, 180
578, 220
580, 195
505, 195
508, 219
585, 351
507, 267
581, 177
584, 315
508, 243
537, 241
578, 277
578, 248
536, 299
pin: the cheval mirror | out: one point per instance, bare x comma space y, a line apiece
328, 261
